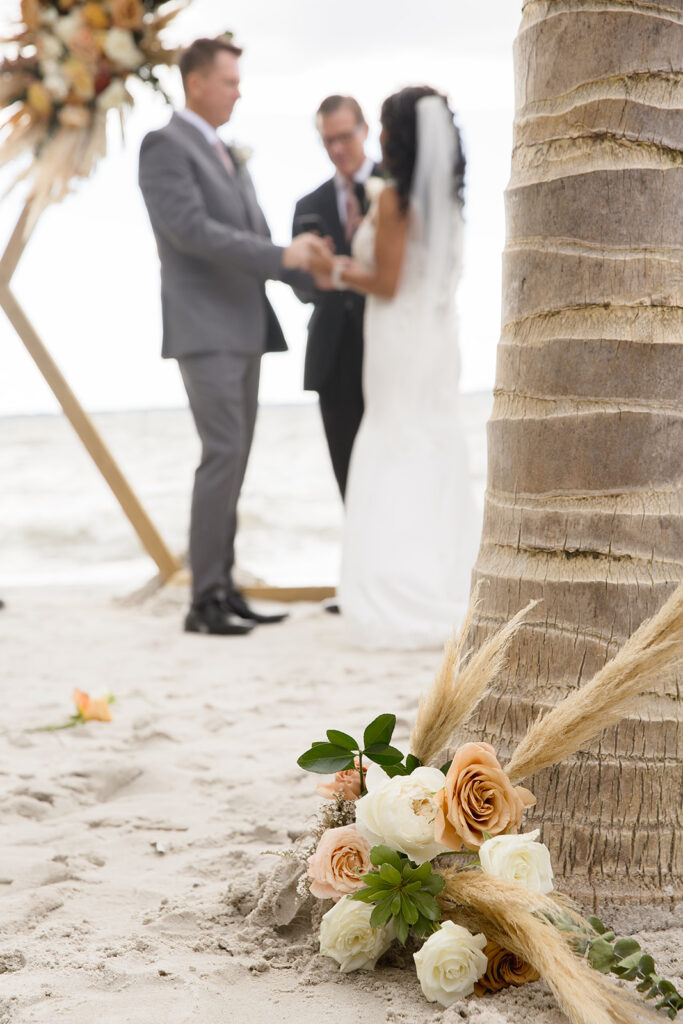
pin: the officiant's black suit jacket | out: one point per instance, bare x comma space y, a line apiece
334, 353
336, 313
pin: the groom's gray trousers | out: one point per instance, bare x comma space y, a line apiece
222, 388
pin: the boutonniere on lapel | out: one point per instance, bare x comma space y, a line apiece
373, 186
241, 156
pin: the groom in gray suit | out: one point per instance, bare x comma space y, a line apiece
216, 254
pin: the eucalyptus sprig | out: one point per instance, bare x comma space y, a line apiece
342, 752
624, 957
402, 892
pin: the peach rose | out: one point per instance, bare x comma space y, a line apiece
127, 13
503, 970
341, 857
477, 797
345, 784
84, 46
96, 710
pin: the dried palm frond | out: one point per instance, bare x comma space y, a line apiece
457, 690
521, 921
654, 650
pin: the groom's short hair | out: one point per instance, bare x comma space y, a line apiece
331, 104
201, 54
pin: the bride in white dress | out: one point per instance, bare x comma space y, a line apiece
411, 527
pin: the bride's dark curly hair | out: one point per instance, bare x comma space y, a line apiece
399, 144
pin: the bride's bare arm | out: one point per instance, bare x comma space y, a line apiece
390, 243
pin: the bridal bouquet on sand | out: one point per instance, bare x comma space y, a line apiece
69, 64
434, 856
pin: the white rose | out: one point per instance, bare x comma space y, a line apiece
373, 187
400, 813
374, 776
115, 95
68, 25
120, 47
56, 83
519, 859
48, 46
450, 962
49, 16
347, 936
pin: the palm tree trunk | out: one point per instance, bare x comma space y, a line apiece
584, 502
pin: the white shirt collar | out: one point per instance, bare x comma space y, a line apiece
207, 130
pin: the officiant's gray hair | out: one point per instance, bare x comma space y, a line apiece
331, 104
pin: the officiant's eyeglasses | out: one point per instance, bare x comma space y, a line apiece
344, 137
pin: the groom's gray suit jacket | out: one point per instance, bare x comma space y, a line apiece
214, 247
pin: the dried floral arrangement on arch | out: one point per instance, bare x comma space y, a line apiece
66, 67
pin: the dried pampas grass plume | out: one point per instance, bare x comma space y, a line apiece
654, 649
503, 911
457, 690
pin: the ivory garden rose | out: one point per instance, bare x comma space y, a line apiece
400, 813
518, 859
450, 963
478, 797
347, 936
341, 857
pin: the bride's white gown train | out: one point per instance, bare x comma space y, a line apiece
411, 528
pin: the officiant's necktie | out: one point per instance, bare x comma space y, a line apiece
354, 213
225, 158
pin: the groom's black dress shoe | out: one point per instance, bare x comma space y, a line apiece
211, 617
234, 602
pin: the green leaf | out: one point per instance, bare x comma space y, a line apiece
435, 884
601, 956
390, 874
427, 906
402, 928
412, 763
342, 739
380, 730
396, 904
646, 967
420, 874
408, 909
444, 767
374, 880
625, 948
325, 759
366, 896
394, 769
380, 914
385, 855
383, 754
597, 925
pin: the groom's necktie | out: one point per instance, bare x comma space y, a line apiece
225, 158
354, 213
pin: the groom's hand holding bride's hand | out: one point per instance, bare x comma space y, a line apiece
307, 252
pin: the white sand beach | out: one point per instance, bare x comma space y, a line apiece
133, 851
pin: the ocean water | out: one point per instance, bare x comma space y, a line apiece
60, 523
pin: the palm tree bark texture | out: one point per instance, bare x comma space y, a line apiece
584, 500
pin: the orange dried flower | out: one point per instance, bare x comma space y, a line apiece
95, 15
504, 969
127, 13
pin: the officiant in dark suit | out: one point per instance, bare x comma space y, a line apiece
216, 255
334, 353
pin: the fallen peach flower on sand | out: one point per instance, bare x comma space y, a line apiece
91, 709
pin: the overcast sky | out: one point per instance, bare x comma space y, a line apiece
89, 278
